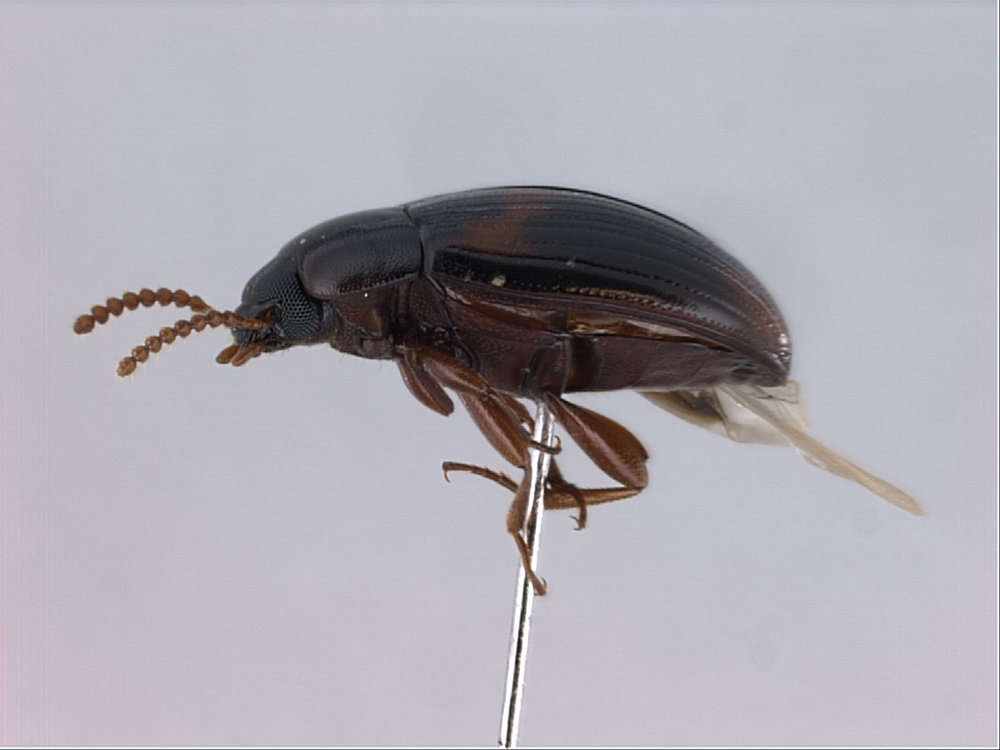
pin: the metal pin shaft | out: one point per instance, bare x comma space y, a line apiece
524, 595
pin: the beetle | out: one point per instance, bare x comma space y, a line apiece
500, 294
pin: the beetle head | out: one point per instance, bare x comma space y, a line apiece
275, 297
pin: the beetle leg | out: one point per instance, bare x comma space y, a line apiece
559, 494
617, 452
424, 388
559, 498
516, 516
449, 371
554, 483
498, 416
563, 495
500, 427
613, 448
502, 419
480, 471
520, 410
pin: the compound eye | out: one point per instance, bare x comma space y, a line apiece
295, 314
275, 295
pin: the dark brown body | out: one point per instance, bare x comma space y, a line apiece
514, 292
529, 292
526, 292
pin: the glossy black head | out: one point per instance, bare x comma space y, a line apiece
275, 296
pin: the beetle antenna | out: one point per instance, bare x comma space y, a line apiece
210, 319
131, 300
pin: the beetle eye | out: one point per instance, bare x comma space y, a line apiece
295, 317
275, 296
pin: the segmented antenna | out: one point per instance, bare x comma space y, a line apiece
130, 301
207, 317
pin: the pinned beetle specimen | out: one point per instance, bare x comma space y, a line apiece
530, 292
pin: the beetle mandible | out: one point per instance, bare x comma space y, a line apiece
530, 292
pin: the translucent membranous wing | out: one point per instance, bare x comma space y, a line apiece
718, 412
773, 416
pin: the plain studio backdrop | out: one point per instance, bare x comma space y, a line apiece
206, 555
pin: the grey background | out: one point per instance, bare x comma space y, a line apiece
269, 555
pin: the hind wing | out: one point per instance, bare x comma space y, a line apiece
774, 416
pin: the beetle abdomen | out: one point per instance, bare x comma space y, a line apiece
612, 258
